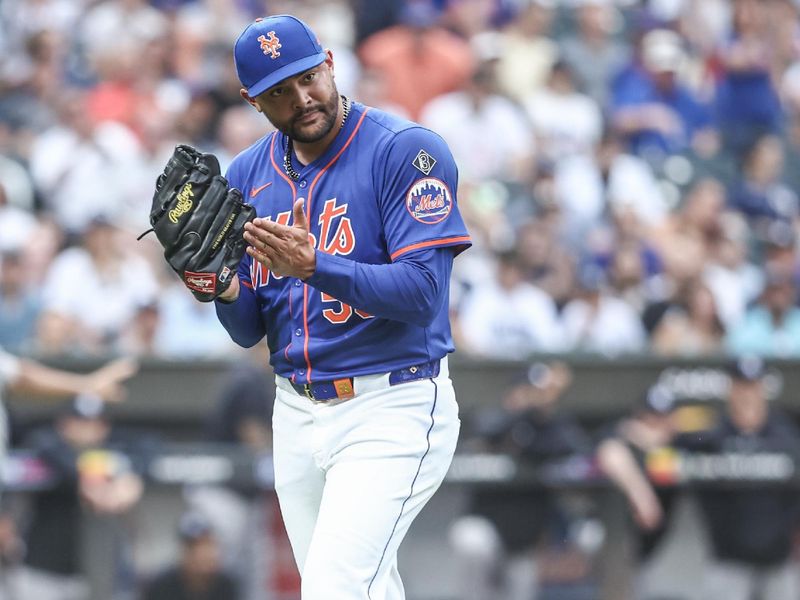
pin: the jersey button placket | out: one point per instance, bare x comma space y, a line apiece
303, 183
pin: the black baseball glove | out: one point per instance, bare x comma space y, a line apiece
199, 221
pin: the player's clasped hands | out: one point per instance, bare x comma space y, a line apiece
283, 249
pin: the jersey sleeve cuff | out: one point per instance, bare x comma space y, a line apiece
462, 242
331, 271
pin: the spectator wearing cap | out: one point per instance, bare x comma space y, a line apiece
93, 472
598, 322
650, 104
500, 544
198, 574
623, 455
751, 528
771, 327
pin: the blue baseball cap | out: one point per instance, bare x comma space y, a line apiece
273, 48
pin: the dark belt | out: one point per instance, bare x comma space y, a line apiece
344, 388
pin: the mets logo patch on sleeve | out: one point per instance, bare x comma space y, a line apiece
429, 200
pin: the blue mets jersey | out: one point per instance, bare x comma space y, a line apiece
382, 194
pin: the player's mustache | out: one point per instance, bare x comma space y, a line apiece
300, 115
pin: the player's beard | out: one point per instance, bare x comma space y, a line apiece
306, 135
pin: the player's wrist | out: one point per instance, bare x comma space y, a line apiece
309, 268
232, 293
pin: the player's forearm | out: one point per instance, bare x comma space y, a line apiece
411, 290
242, 318
36, 378
616, 461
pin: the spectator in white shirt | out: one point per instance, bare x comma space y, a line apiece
490, 136
598, 322
565, 121
92, 291
82, 167
507, 317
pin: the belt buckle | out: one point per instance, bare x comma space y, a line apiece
307, 392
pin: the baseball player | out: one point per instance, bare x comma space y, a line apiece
347, 275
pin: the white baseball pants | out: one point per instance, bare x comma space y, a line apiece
351, 477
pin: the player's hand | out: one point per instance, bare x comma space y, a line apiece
106, 381
283, 249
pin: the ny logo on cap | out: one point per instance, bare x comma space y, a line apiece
270, 44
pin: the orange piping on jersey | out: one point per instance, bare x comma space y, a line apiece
441, 242
305, 325
322, 242
294, 196
246, 283
280, 171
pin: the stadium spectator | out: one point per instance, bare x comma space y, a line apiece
528, 49
597, 322
771, 327
545, 261
652, 107
691, 327
760, 193
747, 102
139, 336
490, 136
733, 278
499, 544
187, 329
114, 282
592, 50
632, 269
590, 188
199, 573
565, 121
79, 166
698, 216
506, 307
418, 45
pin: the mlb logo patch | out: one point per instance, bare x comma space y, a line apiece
429, 200
424, 162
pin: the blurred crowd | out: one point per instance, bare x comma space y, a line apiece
627, 167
